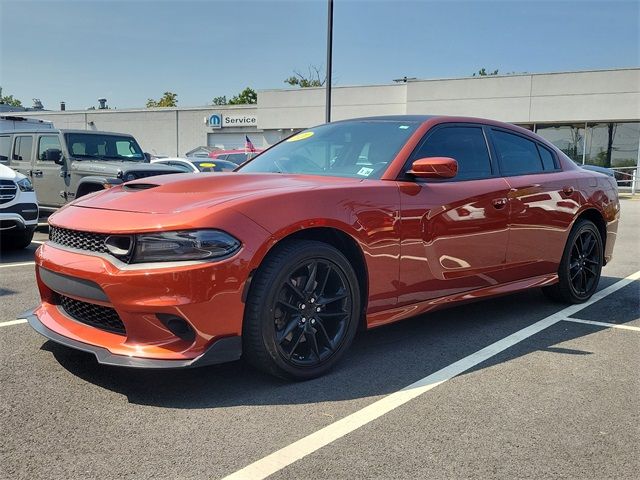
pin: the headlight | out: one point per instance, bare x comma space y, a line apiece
25, 185
184, 245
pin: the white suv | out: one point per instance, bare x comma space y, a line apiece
18, 209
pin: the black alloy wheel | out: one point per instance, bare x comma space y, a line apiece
584, 262
581, 265
312, 313
302, 310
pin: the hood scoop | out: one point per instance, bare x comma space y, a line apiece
135, 187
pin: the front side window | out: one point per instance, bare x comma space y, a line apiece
466, 145
103, 147
516, 154
336, 150
22, 148
50, 142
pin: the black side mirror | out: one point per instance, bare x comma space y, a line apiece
147, 157
54, 155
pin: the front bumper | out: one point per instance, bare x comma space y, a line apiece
224, 350
207, 296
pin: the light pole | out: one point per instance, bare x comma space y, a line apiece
329, 55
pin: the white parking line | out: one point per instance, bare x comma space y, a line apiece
22, 264
13, 322
603, 324
286, 456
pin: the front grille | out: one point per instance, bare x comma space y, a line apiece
93, 242
104, 318
8, 191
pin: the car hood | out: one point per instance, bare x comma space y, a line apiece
185, 191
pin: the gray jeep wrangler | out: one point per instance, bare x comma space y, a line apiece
66, 164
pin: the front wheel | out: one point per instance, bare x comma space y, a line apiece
17, 240
302, 310
581, 265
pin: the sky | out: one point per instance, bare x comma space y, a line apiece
129, 51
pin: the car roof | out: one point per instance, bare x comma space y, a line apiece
94, 132
397, 118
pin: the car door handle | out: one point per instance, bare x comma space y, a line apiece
499, 203
568, 189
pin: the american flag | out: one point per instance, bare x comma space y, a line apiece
248, 146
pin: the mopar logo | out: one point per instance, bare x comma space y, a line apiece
215, 121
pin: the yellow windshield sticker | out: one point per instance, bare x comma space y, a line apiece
207, 165
300, 136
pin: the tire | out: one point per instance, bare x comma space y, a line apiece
580, 267
17, 241
298, 323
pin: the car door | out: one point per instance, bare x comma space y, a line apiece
542, 203
454, 231
47, 176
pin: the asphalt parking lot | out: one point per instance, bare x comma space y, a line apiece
516, 387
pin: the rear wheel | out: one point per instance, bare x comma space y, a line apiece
302, 310
581, 265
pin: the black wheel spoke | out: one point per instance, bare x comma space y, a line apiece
311, 338
591, 261
288, 306
290, 327
591, 243
294, 343
320, 328
323, 285
295, 290
329, 300
331, 314
311, 279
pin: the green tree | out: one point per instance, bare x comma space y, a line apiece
483, 73
246, 96
219, 100
169, 99
315, 78
9, 100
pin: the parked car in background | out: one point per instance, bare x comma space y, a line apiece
237, 156
197, 165
18, 209
66, 164
356, 223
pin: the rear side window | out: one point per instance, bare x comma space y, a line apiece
5, 147
22, 148
516, 154
464, 144
47, 143
547, 158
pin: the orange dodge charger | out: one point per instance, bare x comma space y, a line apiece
356, 223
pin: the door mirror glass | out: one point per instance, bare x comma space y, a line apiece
434, 167
54, 155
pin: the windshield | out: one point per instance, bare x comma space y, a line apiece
104, 147
359, 149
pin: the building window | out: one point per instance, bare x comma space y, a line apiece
612, 144
568, 138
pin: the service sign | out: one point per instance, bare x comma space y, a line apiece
218, 120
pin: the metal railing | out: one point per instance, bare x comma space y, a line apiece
627, 178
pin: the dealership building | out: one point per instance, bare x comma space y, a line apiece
593, 116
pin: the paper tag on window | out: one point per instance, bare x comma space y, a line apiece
365, 171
